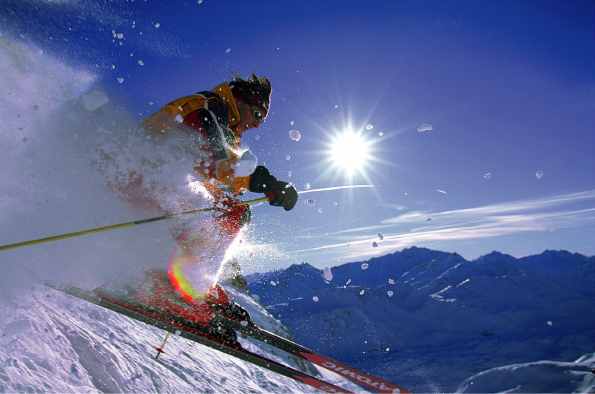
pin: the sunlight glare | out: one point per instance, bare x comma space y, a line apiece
349, 151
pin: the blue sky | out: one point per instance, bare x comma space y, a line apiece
508, 88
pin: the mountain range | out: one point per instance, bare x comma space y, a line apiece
428, 320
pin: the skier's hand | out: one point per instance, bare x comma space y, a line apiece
284, 195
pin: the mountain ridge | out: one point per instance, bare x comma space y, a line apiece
423, 310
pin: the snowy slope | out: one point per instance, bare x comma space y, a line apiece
428, 320
51, 342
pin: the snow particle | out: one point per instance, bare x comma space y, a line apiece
291, 123
425, 127
120, 80
369, 127
441, 191
374, 245
94, 99
380, 236
487, 176
295, 135
315, 299
228, 50
328, 274
273, 283
157, 24
365, 266
287, 157
539, 174
550, 323
335, 203
391, 281
140, 62
390, 293
361, 292
307, 186
348, 282
310, 202
381, 134
120, 35
320, 210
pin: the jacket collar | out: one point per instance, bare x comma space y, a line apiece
224, 92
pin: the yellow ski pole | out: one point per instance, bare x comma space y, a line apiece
122, 225
160, 349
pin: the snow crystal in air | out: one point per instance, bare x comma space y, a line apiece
550, 323
361, 292
374, 245
120, 80
157, 24
441, 191
348, 282
295, 135
311, 202
369, 127
335, 203
199, 1
287, 157
380, 236
256, 137
179, 118
291, 123
315, 299
307, 186
365, 266
391, 281
273, 283
228, 50
120, 35
244, 323
381, 134
94, 99
428, 219
140, 62
539, 174
390, 293
320, 210
336, 106
487, 176
328, 275
425, 127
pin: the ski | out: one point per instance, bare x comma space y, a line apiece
253, 331
153, 318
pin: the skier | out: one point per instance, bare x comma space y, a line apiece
217, 119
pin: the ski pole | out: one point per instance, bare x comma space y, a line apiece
160, 349
127, 224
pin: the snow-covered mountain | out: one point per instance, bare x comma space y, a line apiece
428, 320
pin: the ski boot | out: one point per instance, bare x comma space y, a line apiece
156, 291
218, 299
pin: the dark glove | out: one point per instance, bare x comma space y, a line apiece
284, 195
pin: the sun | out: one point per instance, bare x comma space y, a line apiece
349, 151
